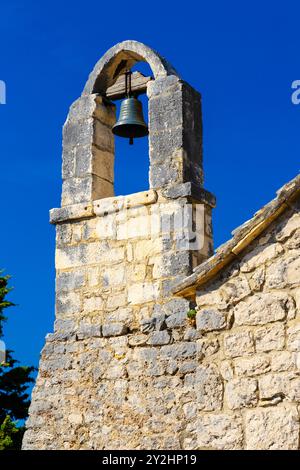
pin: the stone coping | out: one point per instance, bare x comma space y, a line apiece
242, 237
111, 205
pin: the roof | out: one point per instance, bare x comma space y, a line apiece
242, 237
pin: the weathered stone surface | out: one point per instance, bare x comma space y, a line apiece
253, 366
236, 289
260, 255
270, 337
239, 343
68, 302
283, 361
284, 273
209, 388
220, 432
262, 308
179, 350
241, 392
290, 225
177, 320
279, 387
210, 320
144, 292
207, 347
293, 337
114, 329
214, 297
157, 338
87, 330
272, 429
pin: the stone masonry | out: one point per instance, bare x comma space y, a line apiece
125, 367
100, 379
248, 315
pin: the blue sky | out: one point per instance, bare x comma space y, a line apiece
242, 57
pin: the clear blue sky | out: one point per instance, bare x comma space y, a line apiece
242, 57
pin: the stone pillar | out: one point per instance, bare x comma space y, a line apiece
88, 151
175, 133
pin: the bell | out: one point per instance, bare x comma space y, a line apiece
131, 122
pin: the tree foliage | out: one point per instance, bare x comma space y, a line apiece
14, 381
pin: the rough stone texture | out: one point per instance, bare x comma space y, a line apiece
256, 352
274, 429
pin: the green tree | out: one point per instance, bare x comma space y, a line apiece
14, 381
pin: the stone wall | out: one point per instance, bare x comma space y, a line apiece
110, 375
125, 370
249, 379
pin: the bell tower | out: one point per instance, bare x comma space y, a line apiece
117, 259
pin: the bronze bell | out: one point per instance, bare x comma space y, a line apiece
131, 123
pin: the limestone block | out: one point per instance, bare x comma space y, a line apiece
283, 361
71, 212
270, 337
191, 334
241, 393
63, 234
222, 431
260, 255
285, 272
76, 190
70, 280
113, 276
145, 248
255, 365
114, 329
209, 388
88, 330
90, 253
68, 302
143, 292
262, 308
92, 105
134, 227
177, 320
115, 371
226, 370
116, 301
92, 304
272, 429
284, 385
238, 343
293, 337
158, 338
212, 297
293, 243
93, 276
290, 225
123, 314
172, 264
236, 289
257, 279
137, 340
210, 320
136, 272
180, 350
207, 347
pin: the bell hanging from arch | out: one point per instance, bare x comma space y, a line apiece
131, 123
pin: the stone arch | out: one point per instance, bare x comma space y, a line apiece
121, 57
175, 129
